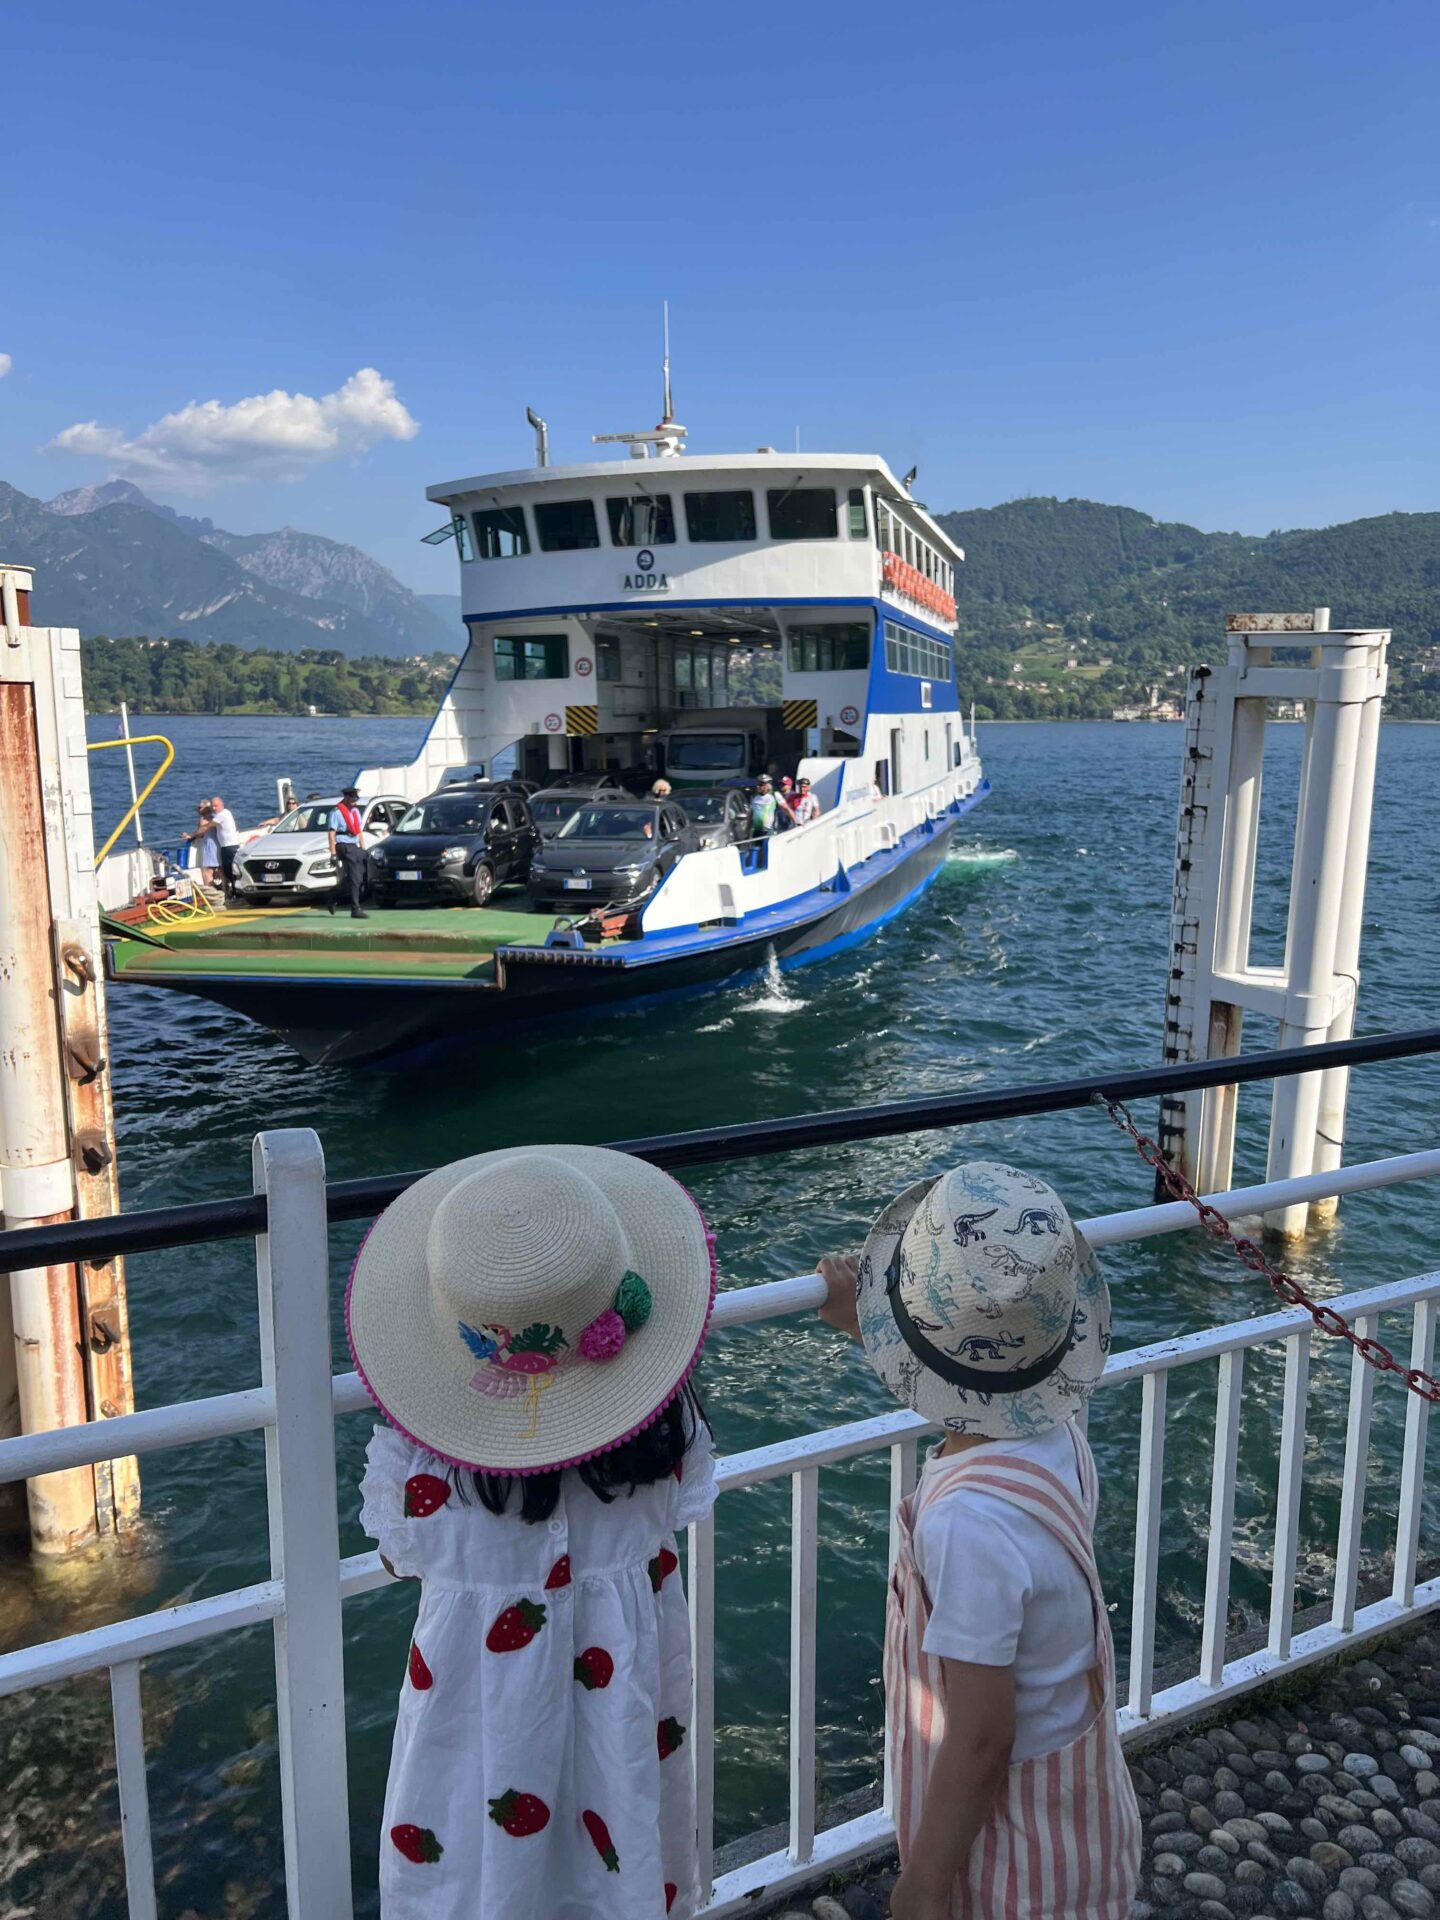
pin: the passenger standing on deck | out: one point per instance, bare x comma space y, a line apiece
346, 848
981, 1307
805, 806
764, 810
207, 852
527, 1321
227, 839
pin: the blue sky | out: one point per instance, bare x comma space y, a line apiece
1184, 257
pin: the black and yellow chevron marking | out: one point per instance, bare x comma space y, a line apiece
583, 721
800, 714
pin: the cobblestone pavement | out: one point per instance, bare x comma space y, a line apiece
1327, 1805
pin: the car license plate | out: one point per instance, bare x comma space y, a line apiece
577, 886
407, 876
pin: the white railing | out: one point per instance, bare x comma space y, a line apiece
297, 1400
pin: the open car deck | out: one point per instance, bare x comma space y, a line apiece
443, 942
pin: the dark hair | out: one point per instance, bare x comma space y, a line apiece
649, 1456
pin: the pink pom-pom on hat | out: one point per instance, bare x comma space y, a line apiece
604, 1337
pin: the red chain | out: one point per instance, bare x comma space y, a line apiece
1290, 1291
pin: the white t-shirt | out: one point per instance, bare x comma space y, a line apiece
226, 831
1003, 1592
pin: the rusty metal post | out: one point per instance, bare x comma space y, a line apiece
37, 1180
57, 1131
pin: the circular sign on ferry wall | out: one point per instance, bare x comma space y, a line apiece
645, 560
584, 667
848, 716
553, 723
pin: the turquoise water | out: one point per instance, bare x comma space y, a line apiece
1040, 952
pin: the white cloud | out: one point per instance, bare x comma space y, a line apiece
5, 364
273, 436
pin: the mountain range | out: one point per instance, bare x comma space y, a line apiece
109, 560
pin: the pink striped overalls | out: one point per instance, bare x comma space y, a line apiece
1063, 1842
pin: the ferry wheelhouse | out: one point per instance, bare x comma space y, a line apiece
620, 615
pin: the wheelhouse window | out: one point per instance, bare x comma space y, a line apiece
720, 516
500, 533
802, 513
532, 656
565, 525
830, 646
855, 514
916, 653
641, 520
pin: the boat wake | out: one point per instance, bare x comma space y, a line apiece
980, 856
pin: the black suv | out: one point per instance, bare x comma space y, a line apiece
461, 845
611, 852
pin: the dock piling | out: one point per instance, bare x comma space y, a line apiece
1212, 982
67, 1351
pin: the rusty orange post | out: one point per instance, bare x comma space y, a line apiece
65, 1328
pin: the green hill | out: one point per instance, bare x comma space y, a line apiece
1050, 581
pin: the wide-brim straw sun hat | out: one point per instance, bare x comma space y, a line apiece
531, 1308
980, 1304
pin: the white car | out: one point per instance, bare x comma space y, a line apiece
292, 860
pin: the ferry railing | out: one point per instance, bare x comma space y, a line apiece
297, 1400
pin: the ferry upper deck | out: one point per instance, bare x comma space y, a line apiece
606, 600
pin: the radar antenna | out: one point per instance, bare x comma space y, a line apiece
668, 438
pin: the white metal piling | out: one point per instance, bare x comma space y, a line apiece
1213, 984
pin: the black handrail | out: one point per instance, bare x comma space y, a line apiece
143, 1232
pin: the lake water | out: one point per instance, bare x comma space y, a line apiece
1039, 953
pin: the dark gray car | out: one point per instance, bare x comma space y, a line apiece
611, 854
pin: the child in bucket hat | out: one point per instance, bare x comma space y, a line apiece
527, 1322
981, 1307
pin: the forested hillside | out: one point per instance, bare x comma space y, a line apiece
186, 676
1130, 600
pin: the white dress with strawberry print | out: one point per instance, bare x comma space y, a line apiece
541, 1768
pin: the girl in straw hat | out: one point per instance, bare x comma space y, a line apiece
528, 1322
982, 1308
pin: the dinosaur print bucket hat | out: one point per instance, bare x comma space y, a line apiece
980, 1304
530, 1308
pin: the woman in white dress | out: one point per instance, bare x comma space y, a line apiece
528, 1322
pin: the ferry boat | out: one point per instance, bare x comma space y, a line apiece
607, 606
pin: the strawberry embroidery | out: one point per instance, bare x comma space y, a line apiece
600, 1838
559, 1574
418, 1844
661, 1568
670, 1892
420, 1675
669, 1737
516, 1627
519, 1814
425, 1493
594, 1668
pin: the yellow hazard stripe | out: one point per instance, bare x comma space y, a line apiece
582, 721
799, 714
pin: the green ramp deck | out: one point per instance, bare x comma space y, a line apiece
441, 943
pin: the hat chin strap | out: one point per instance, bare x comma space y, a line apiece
973, 1379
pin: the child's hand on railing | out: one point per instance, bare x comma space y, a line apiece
840, 1274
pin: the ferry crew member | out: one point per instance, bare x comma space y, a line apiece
346, 848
